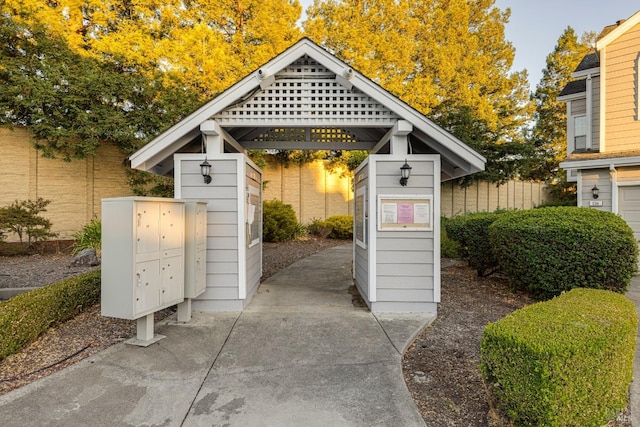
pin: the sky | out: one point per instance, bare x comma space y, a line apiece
536, 25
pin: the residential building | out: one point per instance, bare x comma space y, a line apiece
603, 123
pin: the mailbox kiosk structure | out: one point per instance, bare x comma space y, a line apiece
306, 98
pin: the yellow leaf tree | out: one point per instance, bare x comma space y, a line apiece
205, 45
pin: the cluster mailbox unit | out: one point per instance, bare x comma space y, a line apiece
153, 257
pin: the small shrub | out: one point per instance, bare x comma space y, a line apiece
341, 226
279, 222
22, 218
563, 362
24, 317
88, 237
555, 249
472, 232
319, 227
301, 230
449, 248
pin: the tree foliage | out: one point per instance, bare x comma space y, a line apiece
205, 44
71, 103
429, 52
549, 136
447, 58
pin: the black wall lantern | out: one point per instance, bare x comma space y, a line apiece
595, 192
205, 170
405, 173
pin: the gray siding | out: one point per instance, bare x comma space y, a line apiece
579, 107
222, 279
601, 178
405, 276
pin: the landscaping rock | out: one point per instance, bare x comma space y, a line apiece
84, 258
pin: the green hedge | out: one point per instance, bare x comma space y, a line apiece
472, 233
24, 317
341, 226
449, 248
563, 362
279, 222
555, 249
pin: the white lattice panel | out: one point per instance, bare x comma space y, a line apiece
306, 94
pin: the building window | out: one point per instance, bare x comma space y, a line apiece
580, 132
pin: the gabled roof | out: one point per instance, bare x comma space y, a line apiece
426, 137
612, 32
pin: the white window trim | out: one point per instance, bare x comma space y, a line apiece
586, 131
637, 94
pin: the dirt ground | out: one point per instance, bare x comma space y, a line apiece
440, 368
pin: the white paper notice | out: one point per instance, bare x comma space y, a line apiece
389, 213
251, 214
421, 213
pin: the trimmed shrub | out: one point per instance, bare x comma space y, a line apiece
555, 249
472, 232
563, 362
449, 248
24, 317
318, 227
279, 222
341, 226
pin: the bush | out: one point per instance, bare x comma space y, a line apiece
341, 226
563, 362
279, 222
24, 317
21, 217
320, 228
555, 249
449, 248
88, 237
472, 233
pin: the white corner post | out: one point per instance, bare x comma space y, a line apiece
399, 142
213, 140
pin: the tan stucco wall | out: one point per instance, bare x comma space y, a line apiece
75, 188
622, 127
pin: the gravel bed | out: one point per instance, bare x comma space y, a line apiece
32, 271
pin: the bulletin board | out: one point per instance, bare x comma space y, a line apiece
405, 212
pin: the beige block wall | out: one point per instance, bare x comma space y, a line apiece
487, 197
75, 188
312, 191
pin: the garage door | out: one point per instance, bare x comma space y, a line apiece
629, 207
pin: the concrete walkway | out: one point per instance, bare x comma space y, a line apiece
301, 354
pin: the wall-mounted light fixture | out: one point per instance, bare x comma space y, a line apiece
405, 173
595, 192
205, 170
